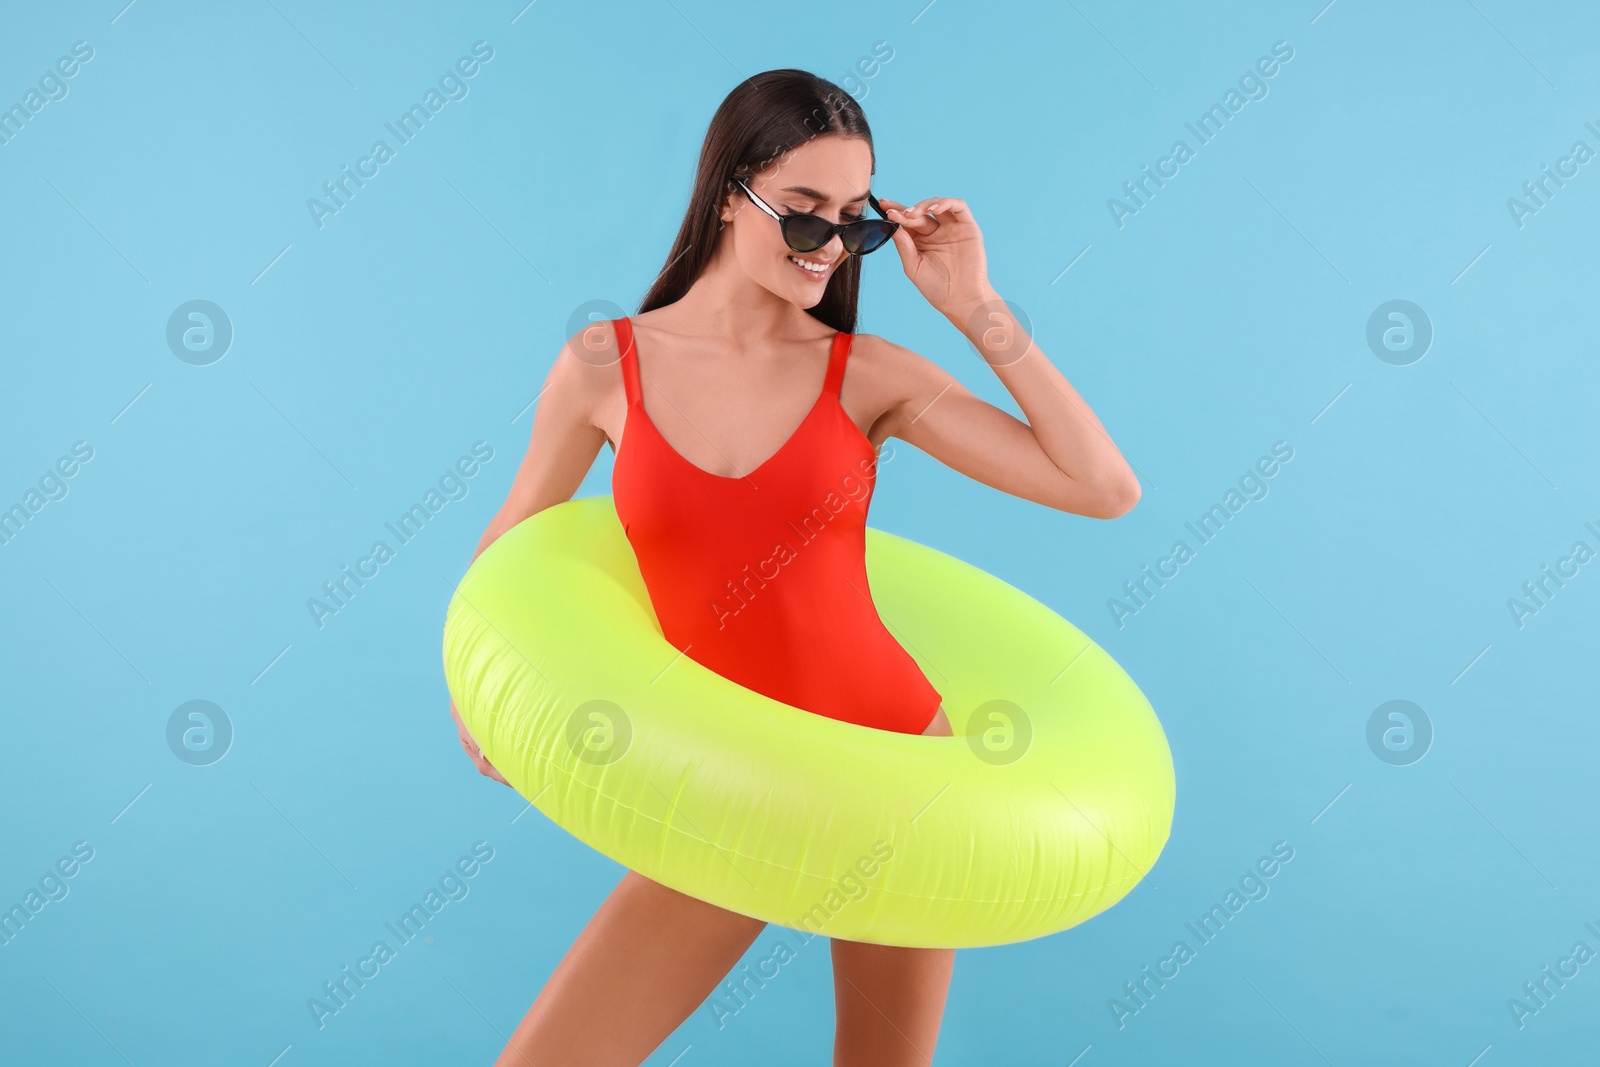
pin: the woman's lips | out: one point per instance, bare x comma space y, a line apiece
811, 274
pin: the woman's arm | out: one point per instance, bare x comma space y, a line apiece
1062, 456
565, 437
561, 448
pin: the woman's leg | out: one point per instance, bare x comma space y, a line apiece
889, 1001
648, 958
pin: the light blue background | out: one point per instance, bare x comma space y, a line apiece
1228, 314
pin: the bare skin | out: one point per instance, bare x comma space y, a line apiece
727, 372
651, 955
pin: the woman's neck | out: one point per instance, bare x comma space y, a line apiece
726, 302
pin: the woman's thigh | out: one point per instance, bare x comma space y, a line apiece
648, 957
889, 1002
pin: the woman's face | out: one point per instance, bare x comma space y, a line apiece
826, 176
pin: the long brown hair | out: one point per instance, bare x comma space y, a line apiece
764, 116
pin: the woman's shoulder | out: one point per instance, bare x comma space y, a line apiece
667, 320
586, 375
880, 351
893, 374
885, 378
593, 346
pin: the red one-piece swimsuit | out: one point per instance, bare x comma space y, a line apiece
763, 578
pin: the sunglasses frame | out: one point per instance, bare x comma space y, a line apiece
835, 228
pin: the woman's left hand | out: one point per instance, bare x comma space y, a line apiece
941, 249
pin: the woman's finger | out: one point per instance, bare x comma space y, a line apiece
931, 210
919, 224
907, 246
952, 207
472, 750
922, 207
488, 768
914, 225
462, 733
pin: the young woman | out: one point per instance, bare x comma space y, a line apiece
710, 399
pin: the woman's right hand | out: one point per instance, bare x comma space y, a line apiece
471, 748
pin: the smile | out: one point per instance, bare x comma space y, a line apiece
809, 268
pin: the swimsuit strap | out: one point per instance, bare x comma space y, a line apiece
836, 361
630, 359
837, 358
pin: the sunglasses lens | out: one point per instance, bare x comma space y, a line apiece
806, 233
866, 236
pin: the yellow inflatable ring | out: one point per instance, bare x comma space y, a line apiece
1051, 801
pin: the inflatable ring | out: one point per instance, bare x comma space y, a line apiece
1051, 801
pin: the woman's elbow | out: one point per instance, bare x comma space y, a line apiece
1118, 499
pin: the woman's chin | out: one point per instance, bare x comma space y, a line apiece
802, 296
809, 294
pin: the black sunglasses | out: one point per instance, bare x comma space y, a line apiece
807, 233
